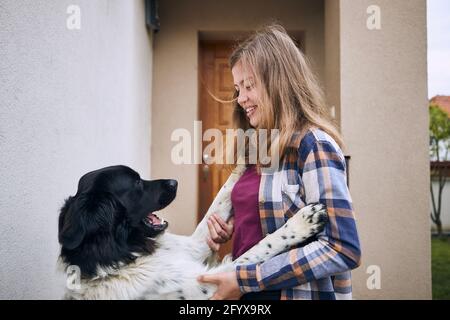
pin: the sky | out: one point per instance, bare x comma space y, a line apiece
438, 17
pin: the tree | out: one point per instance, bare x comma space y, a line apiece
439, 152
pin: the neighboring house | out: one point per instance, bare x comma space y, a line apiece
445, 202
110, 91
443, 102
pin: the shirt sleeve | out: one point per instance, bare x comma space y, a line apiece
337, 247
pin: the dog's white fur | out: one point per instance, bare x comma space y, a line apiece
171, 271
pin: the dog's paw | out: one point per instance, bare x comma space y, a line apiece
315, 217
309, 221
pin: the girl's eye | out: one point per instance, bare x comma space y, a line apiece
249, 86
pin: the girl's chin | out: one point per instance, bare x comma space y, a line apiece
253, 122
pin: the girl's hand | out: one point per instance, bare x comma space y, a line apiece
219, 231
227, 285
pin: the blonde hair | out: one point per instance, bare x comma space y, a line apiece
291, 98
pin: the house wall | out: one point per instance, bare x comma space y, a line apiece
332, 39
175, 77
445, 205
71, 101
384, 120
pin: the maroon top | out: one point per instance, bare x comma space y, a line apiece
247, 224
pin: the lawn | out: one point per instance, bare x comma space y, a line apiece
440, 261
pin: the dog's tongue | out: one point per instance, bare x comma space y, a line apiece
154, 218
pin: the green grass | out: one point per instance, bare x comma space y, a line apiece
440, 264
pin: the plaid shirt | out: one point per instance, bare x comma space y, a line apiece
312, 171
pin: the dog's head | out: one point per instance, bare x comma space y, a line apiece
111, 218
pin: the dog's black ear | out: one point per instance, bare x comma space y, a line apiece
71, 231
84, 215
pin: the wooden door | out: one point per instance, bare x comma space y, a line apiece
215, 79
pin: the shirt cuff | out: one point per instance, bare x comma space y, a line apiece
249, 278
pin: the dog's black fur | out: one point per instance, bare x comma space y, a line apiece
107, 220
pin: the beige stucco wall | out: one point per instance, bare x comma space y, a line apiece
175, 99
71, 101
332, 72
385, 125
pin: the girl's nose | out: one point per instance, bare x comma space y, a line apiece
242, 98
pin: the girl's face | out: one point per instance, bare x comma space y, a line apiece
244, 84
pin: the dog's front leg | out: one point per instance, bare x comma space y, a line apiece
309, 221
222, 206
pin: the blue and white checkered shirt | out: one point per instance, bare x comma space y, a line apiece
313, 171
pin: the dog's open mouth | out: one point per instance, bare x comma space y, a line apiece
154, 222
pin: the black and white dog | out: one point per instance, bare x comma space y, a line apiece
110, 231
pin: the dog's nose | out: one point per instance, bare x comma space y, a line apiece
173, 183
